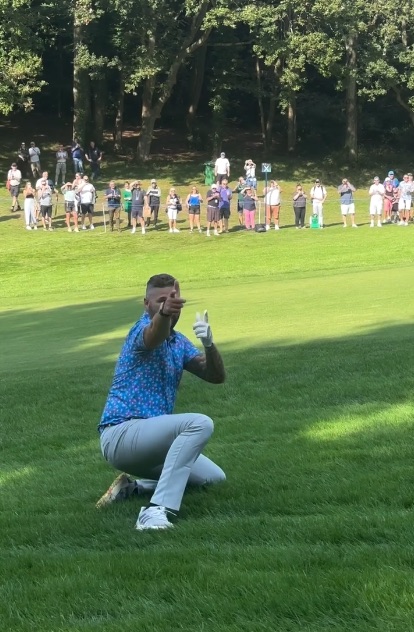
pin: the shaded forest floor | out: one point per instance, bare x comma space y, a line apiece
172, 154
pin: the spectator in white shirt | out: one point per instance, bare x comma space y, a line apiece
87, 194
376, 193
222, 168
318, 197
272, 203
34, 156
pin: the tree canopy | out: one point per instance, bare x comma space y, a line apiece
284, 66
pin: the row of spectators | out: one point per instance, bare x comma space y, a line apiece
389, 201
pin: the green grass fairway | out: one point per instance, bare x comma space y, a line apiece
313, 530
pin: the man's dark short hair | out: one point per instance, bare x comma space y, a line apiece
160, 281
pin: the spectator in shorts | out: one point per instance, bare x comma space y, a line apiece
34, 157
14, 177
39, 184
388, 200
29, 207
318, 197
249, 207
239, 189
299, 207
113, 198
272, 203
224, 205
193, 203
376, 204
87, 195
154, 201
173, 206
61, 158
137, 206
346, 192
213, 211
127, 201
45, 193
70, 209
405, 189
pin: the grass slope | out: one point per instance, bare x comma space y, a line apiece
313, 529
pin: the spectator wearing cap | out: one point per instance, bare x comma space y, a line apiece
250, 170
394, 180
318, 197
14, 177
224, 205
70, 208
376, 193
213, 211
222, 168
154, 201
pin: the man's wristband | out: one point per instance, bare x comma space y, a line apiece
162, 313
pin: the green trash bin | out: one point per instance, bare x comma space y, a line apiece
314, 222
208, 173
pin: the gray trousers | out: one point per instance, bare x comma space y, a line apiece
166, 451
60, 171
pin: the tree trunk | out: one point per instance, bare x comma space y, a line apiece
351, 140
81, 90
404, 104
260, 102
291, 116
270, 120
152, 111
196, 85
149, 115
119, 118
99, 109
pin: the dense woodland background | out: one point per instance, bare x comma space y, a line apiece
319, 75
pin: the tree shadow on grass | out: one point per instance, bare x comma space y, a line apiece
315, 438
287, 413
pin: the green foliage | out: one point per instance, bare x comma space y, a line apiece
20, 59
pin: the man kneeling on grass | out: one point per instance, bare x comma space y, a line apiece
139, 433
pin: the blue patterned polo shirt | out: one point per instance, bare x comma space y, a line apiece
145, 382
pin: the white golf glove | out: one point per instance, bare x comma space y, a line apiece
203, 330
